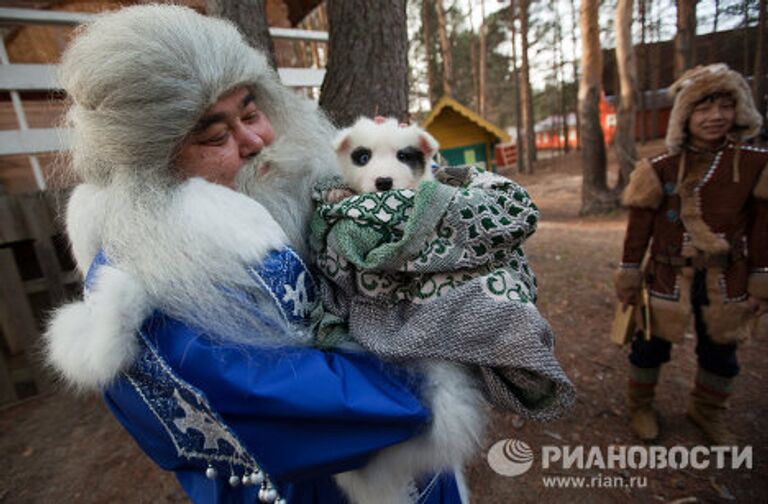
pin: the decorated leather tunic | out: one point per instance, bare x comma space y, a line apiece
701, 210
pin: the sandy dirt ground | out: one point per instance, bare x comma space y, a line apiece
57, 448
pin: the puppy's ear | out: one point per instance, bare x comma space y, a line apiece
342, 141
427, 144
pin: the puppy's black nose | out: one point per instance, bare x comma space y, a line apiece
384, 183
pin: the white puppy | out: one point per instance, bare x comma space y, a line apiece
381, 154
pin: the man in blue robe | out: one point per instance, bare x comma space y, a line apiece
194, 322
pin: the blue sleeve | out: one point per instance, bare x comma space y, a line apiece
301, 412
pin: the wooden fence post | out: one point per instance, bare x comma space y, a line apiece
16, 316
38, 220
7, 388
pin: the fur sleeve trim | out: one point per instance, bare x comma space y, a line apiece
89, 342
644, 189
761, 188
628, 279
757, 285
459, 419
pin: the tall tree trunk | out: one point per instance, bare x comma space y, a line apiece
644, 57
575, 73
595, 196
526, 94
686, 32
758, 76
745, 38
482, 83
716, 15
655, 72
561, 83
519, 142
251, 17
473, 61
361, 31
624, 142
445, 49
427, 49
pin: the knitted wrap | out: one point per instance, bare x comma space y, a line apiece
439, 273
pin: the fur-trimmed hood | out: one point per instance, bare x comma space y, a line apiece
701, 81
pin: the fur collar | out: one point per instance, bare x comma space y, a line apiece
89, 342
230, 220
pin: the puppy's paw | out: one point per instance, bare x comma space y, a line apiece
337, 194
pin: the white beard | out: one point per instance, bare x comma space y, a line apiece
189, 248
285, 189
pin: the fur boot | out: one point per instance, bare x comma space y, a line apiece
642, 416
708, 407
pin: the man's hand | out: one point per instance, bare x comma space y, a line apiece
758, 306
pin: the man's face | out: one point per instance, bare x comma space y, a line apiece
231, 132
711, 120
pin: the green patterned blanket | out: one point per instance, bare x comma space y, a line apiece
439, 273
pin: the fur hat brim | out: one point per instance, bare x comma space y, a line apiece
701, 81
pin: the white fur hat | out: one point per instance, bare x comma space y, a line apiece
700, 82
140, 78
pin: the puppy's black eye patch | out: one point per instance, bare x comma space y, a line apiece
411, 156
361, 156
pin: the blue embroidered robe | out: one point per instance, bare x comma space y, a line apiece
297, 414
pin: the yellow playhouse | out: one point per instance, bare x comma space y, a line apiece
464, 136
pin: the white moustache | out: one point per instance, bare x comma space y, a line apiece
279, 159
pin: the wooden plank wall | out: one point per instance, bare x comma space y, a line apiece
36, 274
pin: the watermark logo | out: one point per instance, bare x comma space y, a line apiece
510, 457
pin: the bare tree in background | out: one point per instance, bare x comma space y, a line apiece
519, 142
427, 49
745, 66
686, 32
473, 60
526, 95
482, 84
595, 196
445, 49
624, 142
644, 61
758, 79
367, 70
655, 69
575, 71
716, 15
559, 64
251, 17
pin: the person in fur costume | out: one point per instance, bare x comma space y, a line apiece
195, 323
703, 206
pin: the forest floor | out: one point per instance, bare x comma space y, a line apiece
56, 448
